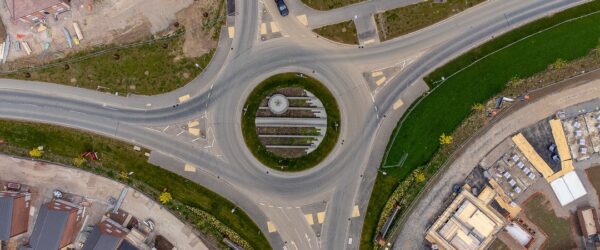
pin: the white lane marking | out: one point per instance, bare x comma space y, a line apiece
308, 239
167, 127
180, 133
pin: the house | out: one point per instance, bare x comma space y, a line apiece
588, 221
108, 235
33, 11
56, 225
14, 210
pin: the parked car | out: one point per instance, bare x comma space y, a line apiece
283, 9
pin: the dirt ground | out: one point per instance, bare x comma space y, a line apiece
116, 22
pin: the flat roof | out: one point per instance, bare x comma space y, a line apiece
568, 188
560, 139
588, 221
538, 163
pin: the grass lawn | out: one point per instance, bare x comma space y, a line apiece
62, 145
444, 109
396, 22
269, 86
344, 32
147, 69
540, 212
383, 188
329, 4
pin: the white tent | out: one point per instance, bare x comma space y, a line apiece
568, 188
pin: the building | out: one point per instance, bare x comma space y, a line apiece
56, 225
468, 223
588, 221
14, 213
32, 11
108, 235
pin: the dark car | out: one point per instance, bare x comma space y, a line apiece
283, 9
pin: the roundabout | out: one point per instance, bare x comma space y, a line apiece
290, 122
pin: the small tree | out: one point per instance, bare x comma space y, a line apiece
165, 198
79, 161
35, 152
559, 64
478, 107
123, 175
445, 139
419, 176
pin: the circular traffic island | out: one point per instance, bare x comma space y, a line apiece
290, 122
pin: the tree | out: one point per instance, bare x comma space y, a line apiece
445, 139
419, 176
165, 198
79, 161
35, 152
559, 64
478, 107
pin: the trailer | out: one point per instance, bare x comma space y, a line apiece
77, 31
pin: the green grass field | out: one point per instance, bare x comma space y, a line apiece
448, 105
329, 4
540, 212
147, 69
267, 87
344, 32
62, 145
383, 188
400, 21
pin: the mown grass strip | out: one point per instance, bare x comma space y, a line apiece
269, 86
63, 145
344, 32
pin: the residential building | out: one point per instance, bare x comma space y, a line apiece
14, 213
588, 221
56, 225
107, 235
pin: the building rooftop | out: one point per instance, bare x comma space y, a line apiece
55, 225
105, 236
14, 214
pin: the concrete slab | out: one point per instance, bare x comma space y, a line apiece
231, 31
274, 27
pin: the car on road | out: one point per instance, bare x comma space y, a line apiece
283, 9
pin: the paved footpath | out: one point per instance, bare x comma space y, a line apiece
98, 188
579, 90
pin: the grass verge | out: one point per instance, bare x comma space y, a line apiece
147, 69
267, 87
448, 106
329, 4
382, 190
344, 32
64, 145
539, 211
400, 21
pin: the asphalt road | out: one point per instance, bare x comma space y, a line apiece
344, 179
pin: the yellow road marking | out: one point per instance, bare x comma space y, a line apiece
274, 27
263, 28
271, 227
309, 219
184, 98
398, 104
231, 31
321, 217
189, 168
193, 123
380, 81
194, 131
303, 20
355, 212
376, 73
